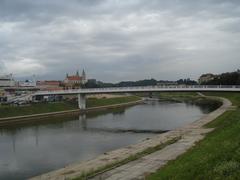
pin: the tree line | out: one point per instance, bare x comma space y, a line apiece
228, 78
145, 82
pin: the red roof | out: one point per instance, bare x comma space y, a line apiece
52, 83
74, 78
53, 88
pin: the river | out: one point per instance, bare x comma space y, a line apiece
31, 149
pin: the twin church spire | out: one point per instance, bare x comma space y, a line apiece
77, 74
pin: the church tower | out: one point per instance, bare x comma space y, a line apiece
84, 78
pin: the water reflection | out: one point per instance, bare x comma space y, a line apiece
83, 121
50, 143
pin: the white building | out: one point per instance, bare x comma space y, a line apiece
7, 81
27, 83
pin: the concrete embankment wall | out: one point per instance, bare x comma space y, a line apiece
22, 119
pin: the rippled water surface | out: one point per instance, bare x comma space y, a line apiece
31, 149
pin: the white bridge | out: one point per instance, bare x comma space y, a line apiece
179, 88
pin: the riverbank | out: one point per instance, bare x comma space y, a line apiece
20, 114
96, 102
188, 97
217, 155
36, 108
121, 155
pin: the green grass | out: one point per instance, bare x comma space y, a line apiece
234, 97
10, 111
178, 96
215, 157
93, 102
190, 98
169, 94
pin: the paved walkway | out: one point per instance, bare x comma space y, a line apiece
140, 168
190, 134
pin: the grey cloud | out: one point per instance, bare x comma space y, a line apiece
17, 9
119, 40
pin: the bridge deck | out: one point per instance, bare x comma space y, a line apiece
143, 89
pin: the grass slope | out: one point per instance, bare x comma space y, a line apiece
215, 157
11, 111
93, 102
234, 97
178, 96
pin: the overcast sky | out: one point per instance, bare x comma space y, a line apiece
116, 40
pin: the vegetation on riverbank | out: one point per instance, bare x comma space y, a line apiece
94, 102
11, 111
179, 96
38, 108
190, 98
234, 97
215, 157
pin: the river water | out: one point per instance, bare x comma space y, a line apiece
31, 149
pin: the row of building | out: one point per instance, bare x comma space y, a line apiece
70, 82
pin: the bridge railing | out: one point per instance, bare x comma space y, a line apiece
72, 91
155, 87
164, 87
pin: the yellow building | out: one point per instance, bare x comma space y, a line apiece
205, 78
75, 81
2, 93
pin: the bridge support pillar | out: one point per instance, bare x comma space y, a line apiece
150, 95
82, 101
